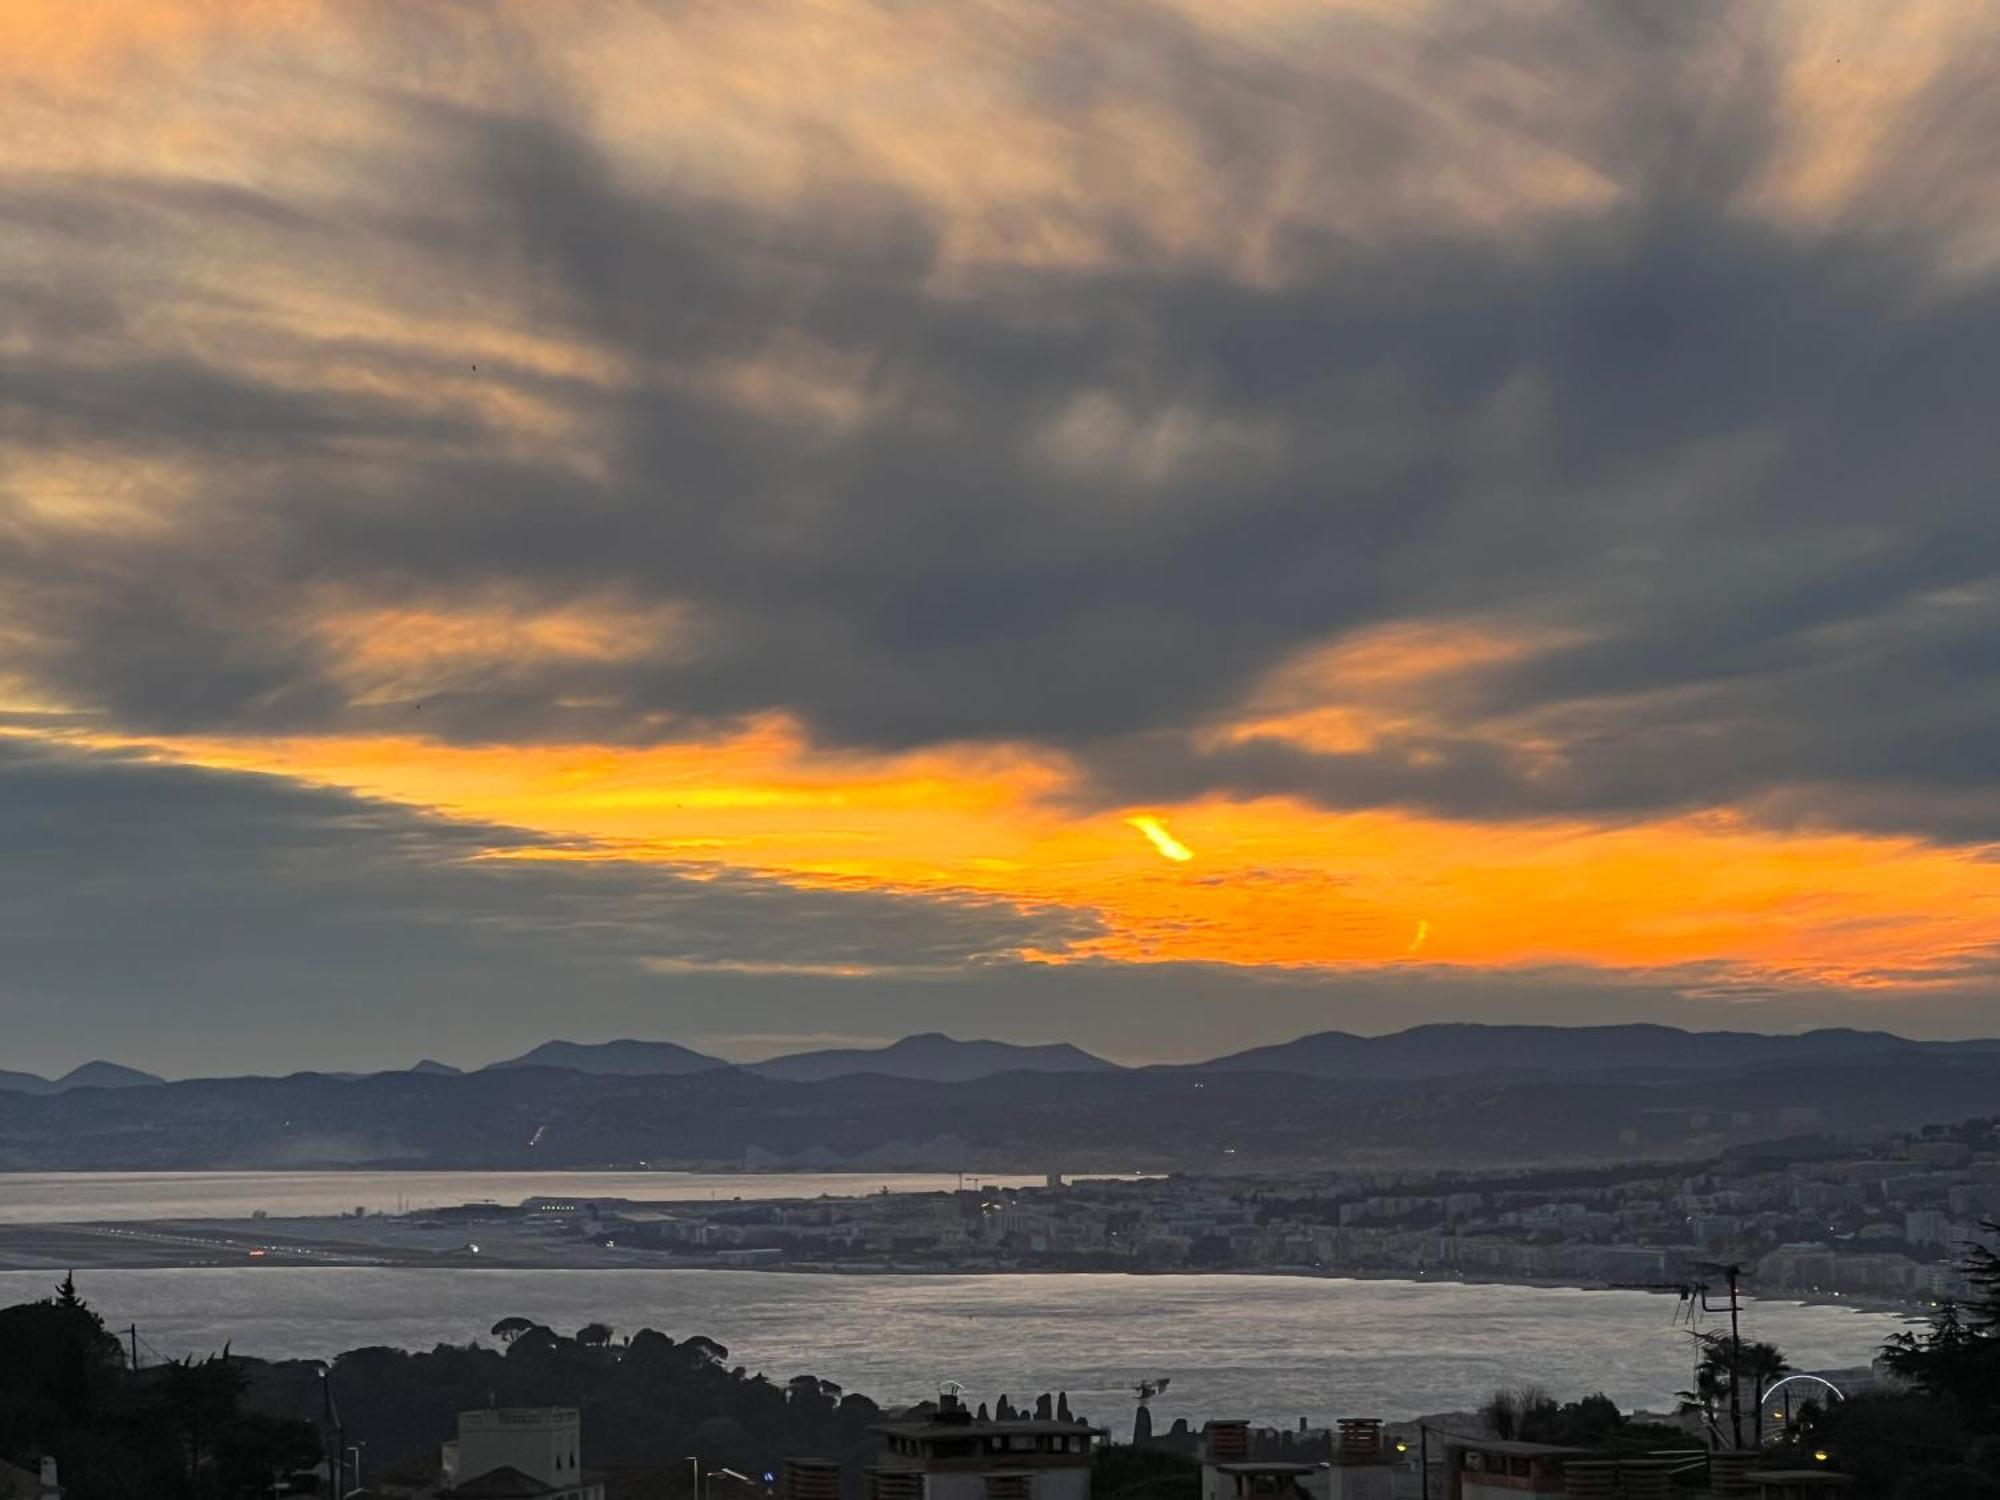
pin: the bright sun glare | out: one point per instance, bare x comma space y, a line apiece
1157, 835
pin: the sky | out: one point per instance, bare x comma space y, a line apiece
1166, 525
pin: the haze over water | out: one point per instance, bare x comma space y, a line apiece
1272, 1348
84, 1197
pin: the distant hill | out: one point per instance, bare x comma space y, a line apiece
1119, 1121
1445, 1051
624, 1058
91, 1075
933, 1058
106, 1075
433, 1066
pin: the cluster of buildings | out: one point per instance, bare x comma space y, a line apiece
1885, 1220
943, 1451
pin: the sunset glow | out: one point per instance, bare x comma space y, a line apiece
891, 472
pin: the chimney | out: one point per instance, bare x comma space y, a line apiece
1228, 1442
809, 1479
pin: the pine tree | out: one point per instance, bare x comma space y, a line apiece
66, 1294
1959, 1358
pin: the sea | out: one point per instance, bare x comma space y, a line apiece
85, 1197
1269, 1348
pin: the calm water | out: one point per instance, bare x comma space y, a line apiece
1271, 1348
77, 1197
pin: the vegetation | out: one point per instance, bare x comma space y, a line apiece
1755, 1367
177, 1432
646, 1400
1939, 1440
1129, 1473
1530, 1414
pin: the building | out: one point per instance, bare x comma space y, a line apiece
1228, 1472
949, 1454
1489, 1469
1802, 1484
514, 1452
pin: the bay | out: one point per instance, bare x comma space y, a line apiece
1270, 1348
92, 1197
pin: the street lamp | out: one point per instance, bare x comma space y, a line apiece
718, 1472
336, 1430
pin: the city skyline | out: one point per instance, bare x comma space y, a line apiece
1171, 528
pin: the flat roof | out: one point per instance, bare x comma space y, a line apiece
1018, 1427
1514, 1449
1800, 1476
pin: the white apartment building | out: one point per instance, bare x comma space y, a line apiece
952, 1455
508, 1451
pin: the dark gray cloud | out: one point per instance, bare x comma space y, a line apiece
203, 920
200, 922
1744, 459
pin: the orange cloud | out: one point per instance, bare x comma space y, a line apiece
390, 653
1279, 883
1346, 696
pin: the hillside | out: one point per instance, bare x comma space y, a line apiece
91, 1075
934, 1057
1120, 1121
629, 1058
1444, 1051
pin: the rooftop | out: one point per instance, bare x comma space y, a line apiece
973, 1426
1512, 1449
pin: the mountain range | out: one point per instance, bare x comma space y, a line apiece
934, 1057
1437, 1051
626, 1058
1119, 1120
92, 1075
1450, 1050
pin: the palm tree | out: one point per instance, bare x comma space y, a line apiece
1761, 1365
1711, 1386
1756, 1365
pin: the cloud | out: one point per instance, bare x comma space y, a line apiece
1738, 461
1499, 414
201, 922
207, 919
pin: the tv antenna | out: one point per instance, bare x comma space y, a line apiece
1732, 1273
1695, 1300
